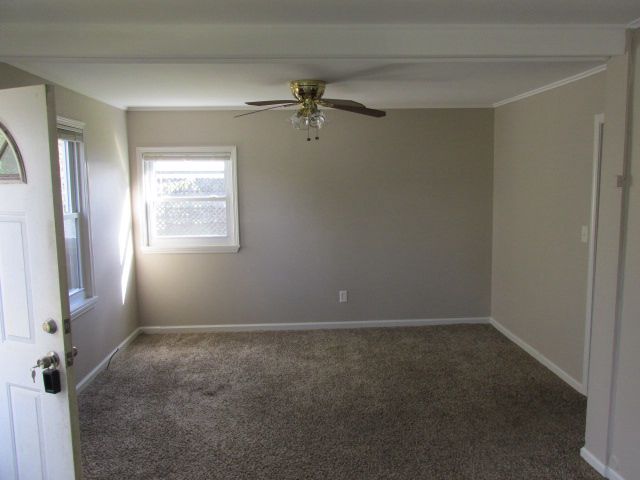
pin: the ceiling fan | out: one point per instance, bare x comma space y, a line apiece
308, 96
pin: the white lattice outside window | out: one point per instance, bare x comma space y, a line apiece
189, 199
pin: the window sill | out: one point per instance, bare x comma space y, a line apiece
82, 307
198, 249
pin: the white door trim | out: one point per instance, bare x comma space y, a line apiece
598, 131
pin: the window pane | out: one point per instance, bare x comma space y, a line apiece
72, 247
63, 160
184, 184
72, 175
8, 160
190, 218
10, 169
184, 165
67, 158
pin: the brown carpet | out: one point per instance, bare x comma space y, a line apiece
452, 402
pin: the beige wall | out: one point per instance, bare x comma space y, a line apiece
542, 193
97, 332
396, 210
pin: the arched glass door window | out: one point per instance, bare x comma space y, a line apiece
11, 166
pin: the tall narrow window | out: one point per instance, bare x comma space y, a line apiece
73, 183
190, 200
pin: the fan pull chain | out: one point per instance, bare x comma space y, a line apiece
308, 136
317, 134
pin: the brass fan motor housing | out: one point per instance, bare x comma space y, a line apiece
307, 89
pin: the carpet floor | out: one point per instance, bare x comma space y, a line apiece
445, 402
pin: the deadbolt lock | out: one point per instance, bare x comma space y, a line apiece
71, 355
50, 326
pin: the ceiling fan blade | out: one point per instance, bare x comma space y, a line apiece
263, 103
361, 110
328, 102
265, 109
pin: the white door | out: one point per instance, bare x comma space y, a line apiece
38, 431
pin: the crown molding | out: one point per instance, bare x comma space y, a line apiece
551, 86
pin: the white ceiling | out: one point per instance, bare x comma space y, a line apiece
374, 83
384, 53
325, 11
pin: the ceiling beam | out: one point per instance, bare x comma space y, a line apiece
256, 43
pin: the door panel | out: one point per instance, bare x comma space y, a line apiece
15, 311
38, 430
26, 421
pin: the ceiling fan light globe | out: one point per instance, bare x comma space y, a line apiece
317, 120
299, 121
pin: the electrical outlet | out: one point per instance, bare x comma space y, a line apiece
342, 296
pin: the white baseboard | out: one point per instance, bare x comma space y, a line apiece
598, 466
248, 327
575, 384
82, 384
613, 475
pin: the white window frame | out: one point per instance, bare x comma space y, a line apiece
84, 299
228, 244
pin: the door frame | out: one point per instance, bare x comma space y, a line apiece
598, 140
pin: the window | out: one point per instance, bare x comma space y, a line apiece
11, 166
190, 200
75, 207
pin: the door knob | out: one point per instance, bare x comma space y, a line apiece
50, 360
50, 374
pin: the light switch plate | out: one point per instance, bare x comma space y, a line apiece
584, 234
